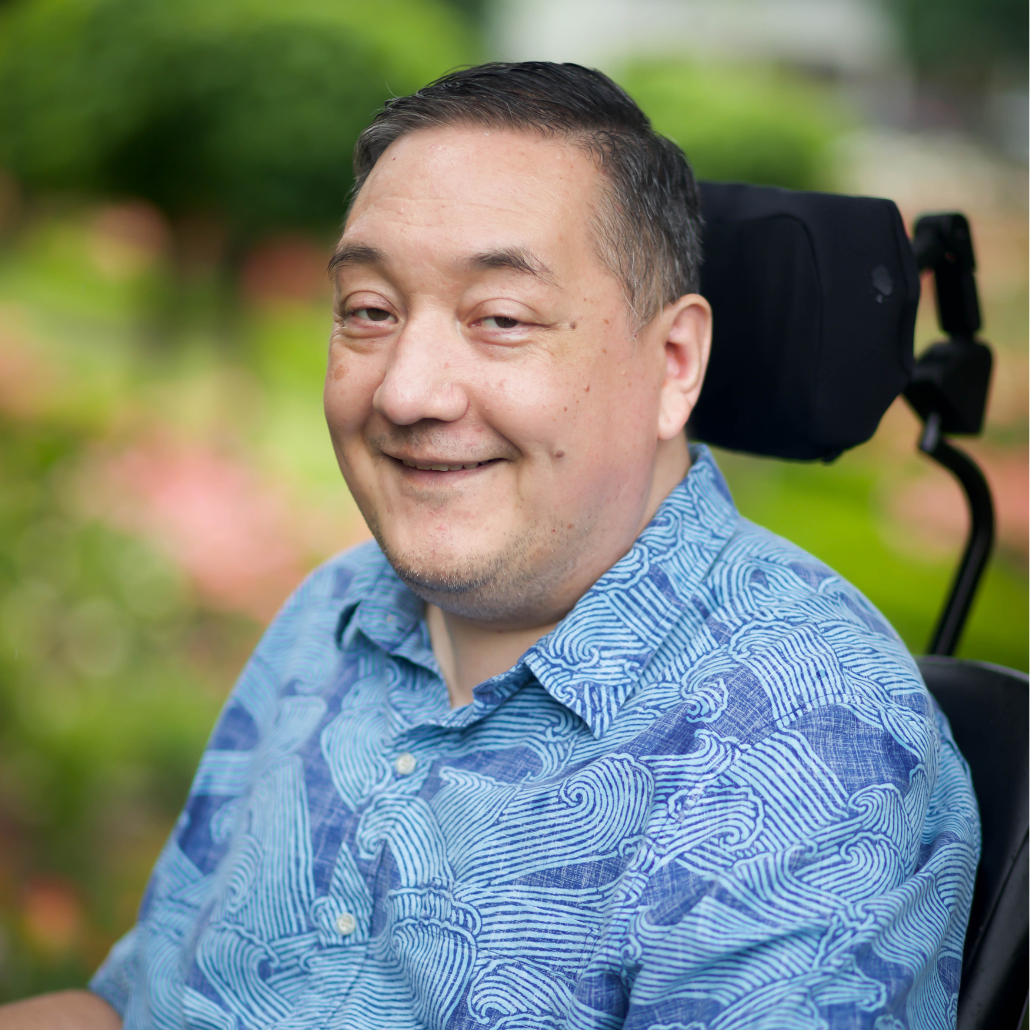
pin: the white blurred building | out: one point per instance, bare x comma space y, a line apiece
850, 38
853, 44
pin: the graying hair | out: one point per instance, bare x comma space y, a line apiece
647, 228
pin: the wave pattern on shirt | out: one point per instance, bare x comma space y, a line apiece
717, 796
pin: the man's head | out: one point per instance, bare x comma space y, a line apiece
516, 307
647, 225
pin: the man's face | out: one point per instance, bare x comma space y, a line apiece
492, 408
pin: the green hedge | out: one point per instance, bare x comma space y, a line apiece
247, 109
746, 123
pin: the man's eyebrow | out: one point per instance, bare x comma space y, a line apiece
515, 259
355, 254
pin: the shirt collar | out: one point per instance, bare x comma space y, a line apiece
380, 607
598, 655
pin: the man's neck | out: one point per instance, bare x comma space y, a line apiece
470, 652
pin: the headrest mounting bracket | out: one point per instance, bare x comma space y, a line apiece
948, 391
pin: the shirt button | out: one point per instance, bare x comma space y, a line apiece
405, 764
346, 923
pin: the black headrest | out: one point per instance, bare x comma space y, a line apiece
814, 297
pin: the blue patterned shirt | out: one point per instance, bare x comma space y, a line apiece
717, 795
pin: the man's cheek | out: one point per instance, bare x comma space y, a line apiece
350, 385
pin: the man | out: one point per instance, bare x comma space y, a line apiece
573, 744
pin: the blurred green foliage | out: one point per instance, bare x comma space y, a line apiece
105, 698
246, 110
739, 123
964, 38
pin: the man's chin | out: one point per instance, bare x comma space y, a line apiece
468, 588
454, 581
485, 586
504, 579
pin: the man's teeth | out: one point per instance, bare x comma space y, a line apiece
440, 468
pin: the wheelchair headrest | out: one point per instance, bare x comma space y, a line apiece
814, 297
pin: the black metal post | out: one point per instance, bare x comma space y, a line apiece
978, 544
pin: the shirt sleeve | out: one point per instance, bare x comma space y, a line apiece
143, 972
114, 979
822, 880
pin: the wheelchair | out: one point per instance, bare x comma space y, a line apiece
815, 299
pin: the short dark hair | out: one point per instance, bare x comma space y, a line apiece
648, 230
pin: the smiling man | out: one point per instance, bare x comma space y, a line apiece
572, 745
506, 417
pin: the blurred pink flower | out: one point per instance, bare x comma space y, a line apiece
1008, 473
127, 238
26, 381
934, 506
52, 914
234, 535
286, 268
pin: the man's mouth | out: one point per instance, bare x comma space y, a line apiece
427, 466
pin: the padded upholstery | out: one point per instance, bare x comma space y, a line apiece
987, 708
814, 297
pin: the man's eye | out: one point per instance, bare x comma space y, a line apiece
500, 322
371, 314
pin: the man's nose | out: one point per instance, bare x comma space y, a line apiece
423, 379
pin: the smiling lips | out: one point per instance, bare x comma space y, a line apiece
441, 467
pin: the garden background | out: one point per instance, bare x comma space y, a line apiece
172, 173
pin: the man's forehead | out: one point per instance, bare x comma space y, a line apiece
482, 199
471, 172
463, 142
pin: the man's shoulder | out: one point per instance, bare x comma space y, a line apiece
786, 679
300, 648
774, 634
330, 587
761, 579
751, 576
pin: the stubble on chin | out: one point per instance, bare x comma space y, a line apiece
511, 584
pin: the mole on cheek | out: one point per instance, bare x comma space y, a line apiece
559, 454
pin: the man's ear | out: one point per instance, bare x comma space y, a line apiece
687, 327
